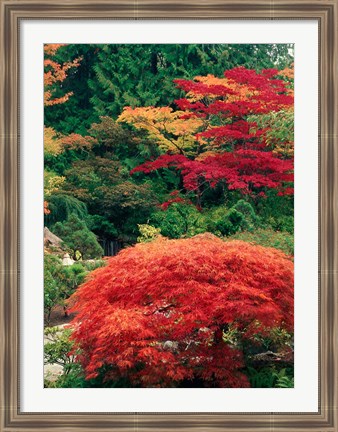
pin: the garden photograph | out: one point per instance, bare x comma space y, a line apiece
168, 215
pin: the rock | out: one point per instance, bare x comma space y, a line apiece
170, 346
52, 372
67, 260
51, 239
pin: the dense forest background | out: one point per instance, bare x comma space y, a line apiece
123, 165
82, 137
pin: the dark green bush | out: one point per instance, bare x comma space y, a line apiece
78, 238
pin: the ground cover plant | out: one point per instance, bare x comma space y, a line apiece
169, 215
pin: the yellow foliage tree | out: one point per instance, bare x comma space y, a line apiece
175, 131
52, 142
171, 130
52, 182
54, 73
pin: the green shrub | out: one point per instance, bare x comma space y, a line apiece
284, 223
148, 233
52, 294
62, 206
59, 350
222, 221
230, 223
61, 281
268, 238
77, 237
179, 220
270, 377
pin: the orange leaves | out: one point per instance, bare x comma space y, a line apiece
45, 208
56, 143
51, 49
156, 310
214, 119
287, 73
54, 74
76, 142
239, 92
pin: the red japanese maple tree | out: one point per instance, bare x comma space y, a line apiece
158, 313
230, 148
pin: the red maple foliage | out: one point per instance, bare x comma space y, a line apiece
245, 170
231, 148
175, 198
157, 312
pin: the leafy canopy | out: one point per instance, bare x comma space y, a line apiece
157, 312
79, 239
220, 143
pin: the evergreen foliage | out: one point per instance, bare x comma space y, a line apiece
110, 77
62, 206
78, 238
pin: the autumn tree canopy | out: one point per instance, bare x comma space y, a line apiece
187, 152
54, 74
222, 135
159, 312
216, 135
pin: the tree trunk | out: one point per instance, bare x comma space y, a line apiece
111, 247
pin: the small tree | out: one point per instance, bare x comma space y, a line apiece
61, 281
52, 292
159, 313
78, 238
210, 140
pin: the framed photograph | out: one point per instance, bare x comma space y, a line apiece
169, 211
